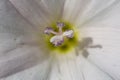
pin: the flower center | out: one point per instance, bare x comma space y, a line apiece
61, 36
58, 38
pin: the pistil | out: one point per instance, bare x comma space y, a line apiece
59, 37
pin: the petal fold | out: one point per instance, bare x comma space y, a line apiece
81, 12
40, 13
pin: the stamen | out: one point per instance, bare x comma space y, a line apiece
49, 30
60, 25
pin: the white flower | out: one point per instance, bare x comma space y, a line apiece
23, 42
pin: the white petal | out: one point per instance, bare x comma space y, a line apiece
76, 68
55, 7
108, 17
15, 55
106, 58
80, 12
39, 12
19, 53
73, 8
64, 68
20, 59
39, 72
11, 21
104, 29
92, 72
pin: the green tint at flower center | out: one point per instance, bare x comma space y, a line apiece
68, 44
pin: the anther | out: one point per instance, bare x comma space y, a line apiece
69, 33
57, 40
60, 24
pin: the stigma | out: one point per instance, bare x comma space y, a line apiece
59, 36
